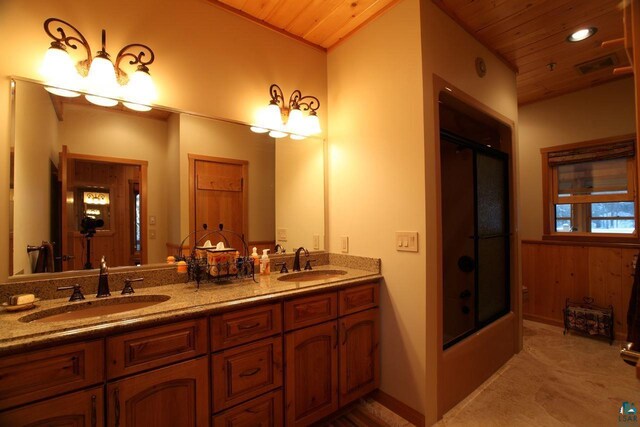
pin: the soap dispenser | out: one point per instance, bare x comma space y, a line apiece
265, 265
256, 259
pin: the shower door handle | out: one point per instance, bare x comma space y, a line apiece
466, 264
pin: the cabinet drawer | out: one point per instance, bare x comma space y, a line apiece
242, 373
243, 326
153, 347
359, 298
263, 411
39, 374
82, 408
308, 311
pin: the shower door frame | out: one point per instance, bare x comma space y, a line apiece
504, 157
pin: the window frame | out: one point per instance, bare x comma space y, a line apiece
550, 194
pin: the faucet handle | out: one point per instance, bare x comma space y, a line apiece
77, 293
284, 266
128, 289
307, 266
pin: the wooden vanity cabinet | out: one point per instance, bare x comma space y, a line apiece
224, 370
79, 409
174, 396
330, 364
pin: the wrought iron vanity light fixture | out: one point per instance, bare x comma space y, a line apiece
280, 119
104, 83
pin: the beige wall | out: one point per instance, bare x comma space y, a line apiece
598, 112
35, 148
376, 180
382, 170
300, 192
449, 52
208, 60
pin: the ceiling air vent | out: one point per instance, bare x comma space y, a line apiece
608, 61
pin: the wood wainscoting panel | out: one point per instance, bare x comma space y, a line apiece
553, 272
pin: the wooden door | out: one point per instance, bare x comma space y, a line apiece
359, 355
219, 188
311, 373
81, 409
175, 396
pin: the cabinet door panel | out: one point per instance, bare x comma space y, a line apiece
80, 409
40, 374
175, 396
359, 355
311, 373
244, 372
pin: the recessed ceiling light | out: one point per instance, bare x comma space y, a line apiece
582, 34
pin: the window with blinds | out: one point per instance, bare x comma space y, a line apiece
590, 188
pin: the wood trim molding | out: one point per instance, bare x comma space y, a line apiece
400, 408
590, 143
563, 241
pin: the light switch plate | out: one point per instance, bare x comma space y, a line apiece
407, 241
282, 234
152, 234
152, 220
344, 244
316, 242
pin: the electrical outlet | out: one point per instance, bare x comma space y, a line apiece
345, 244
282, 234
407, 241
316, 242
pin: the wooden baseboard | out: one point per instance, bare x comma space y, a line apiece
405, 411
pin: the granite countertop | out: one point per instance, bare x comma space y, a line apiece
185, 302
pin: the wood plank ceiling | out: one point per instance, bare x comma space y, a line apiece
527, 34
531, 34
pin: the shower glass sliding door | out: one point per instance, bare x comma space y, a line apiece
475, 236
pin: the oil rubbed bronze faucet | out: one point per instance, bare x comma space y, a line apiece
296, 260
103, 280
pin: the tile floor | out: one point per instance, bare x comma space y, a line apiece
555, 380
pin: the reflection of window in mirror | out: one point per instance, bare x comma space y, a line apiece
95, 205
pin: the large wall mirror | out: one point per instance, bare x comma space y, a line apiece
88, 181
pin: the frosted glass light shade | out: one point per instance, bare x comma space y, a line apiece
273, 117
59, 73
277, 134
101, 79
140, 88
312, 124
297, 137
295, 124
136, 107
102, 101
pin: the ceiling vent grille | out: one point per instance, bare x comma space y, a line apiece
604, 62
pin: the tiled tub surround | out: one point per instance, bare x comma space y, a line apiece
185, 302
